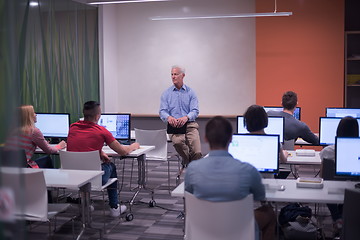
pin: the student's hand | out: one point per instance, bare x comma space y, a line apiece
181, 121
286, 154
104, 157
172, 121
61, 145
135, 146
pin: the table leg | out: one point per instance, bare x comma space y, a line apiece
85, 210
141, 180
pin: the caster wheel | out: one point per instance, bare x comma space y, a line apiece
152, 203
129, 217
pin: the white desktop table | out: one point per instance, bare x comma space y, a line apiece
140, 155
64, 178
330, 193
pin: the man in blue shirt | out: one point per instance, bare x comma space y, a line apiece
220, 178
179, 106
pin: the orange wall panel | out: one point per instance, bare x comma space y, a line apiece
303, 53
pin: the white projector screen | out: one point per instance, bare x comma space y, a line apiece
136, 55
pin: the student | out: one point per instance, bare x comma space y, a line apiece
28, 137
255, 121
348, 127
220, 178
178, 107
87, 135
293, 128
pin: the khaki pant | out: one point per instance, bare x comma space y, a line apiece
188, 145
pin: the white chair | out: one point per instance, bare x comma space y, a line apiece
157, 138
30, 194
219, 220
86, 161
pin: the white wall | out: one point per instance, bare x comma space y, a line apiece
218, 54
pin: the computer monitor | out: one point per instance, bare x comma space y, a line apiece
328, 127
261, 151
118, 124
343, 112
275, 126
297, 112
347, 157
53, 125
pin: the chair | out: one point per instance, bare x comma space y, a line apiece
12, 158
289, 144
86, 161
219, 220
351, 213
157, 138
30, 194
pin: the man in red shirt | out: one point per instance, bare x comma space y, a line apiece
87, 135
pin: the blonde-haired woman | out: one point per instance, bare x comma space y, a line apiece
28, 137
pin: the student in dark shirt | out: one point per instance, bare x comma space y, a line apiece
293, 128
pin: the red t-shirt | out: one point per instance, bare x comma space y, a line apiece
87, 136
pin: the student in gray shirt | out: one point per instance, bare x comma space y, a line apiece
293, 128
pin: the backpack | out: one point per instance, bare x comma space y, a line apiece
295, 221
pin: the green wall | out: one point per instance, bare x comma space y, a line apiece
48, 57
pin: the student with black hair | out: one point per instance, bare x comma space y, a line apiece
293, 128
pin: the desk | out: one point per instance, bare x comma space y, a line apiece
294, 194
140, 155
293, 159
62, 178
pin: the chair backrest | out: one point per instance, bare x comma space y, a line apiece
328, 169
219, 220
351, 213
289, 144
82, 161
157, 138
12, 158
30, 193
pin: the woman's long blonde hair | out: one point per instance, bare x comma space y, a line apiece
26, 118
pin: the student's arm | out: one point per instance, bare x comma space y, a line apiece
39, 140
308, 136
123, 150
283, 154
257, 188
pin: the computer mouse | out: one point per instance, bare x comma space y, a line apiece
357, 185
281, 188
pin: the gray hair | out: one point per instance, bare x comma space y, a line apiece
182, 70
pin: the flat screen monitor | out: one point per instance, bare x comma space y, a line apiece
54, 125
297, 112
343, 112
261, 151
275, 126
117, 123
328, 127
347, 157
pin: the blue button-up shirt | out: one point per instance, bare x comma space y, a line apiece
220, 178
179, 103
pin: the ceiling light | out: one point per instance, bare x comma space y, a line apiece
242, 15
34, 4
